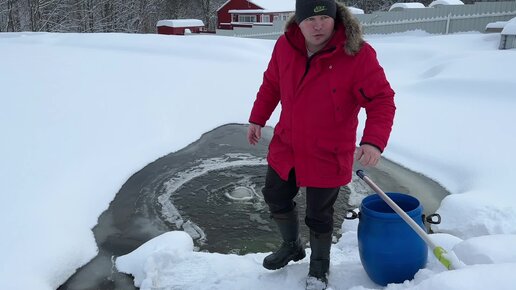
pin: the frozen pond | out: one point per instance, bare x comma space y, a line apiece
212, 190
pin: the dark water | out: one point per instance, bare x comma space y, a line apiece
211, 189
231, 225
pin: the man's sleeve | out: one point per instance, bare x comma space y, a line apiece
268, 95
374, 93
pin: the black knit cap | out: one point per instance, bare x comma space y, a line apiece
309, 8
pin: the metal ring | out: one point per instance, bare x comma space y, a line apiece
354, 215
430, 219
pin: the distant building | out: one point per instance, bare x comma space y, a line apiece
508, 35
404, 6
355, 10
438, 3
249, 13
495, 27
180, 26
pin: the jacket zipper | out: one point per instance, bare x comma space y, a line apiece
309, 61
307, 67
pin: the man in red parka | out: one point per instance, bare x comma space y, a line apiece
322, 72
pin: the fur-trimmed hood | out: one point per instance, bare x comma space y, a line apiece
352, 27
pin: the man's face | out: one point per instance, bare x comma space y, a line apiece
317, 30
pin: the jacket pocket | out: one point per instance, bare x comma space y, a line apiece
280, 145
332, 159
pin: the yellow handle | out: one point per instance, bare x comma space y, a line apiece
439, 253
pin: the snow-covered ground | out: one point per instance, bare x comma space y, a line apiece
80, 113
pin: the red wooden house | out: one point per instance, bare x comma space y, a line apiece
246, 13
180, 26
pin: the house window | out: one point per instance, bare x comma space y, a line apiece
266, 18
247, 18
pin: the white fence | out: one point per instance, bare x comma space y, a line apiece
263, 32
436, 20
439, 20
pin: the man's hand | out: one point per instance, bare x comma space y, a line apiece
368, 155
254, 133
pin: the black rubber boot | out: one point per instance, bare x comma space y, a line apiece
320, 243
291, 249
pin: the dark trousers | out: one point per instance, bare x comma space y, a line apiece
279, 195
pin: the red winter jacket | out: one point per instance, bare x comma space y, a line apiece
320, 101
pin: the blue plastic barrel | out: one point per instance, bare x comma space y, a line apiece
390, 251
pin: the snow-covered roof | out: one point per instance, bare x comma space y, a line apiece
355, 10
401, 6
495, 25
268, 6
446, 2
220, 7
181, 23
276, 5
254, 11
510, 27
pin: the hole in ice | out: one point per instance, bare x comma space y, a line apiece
240, 193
